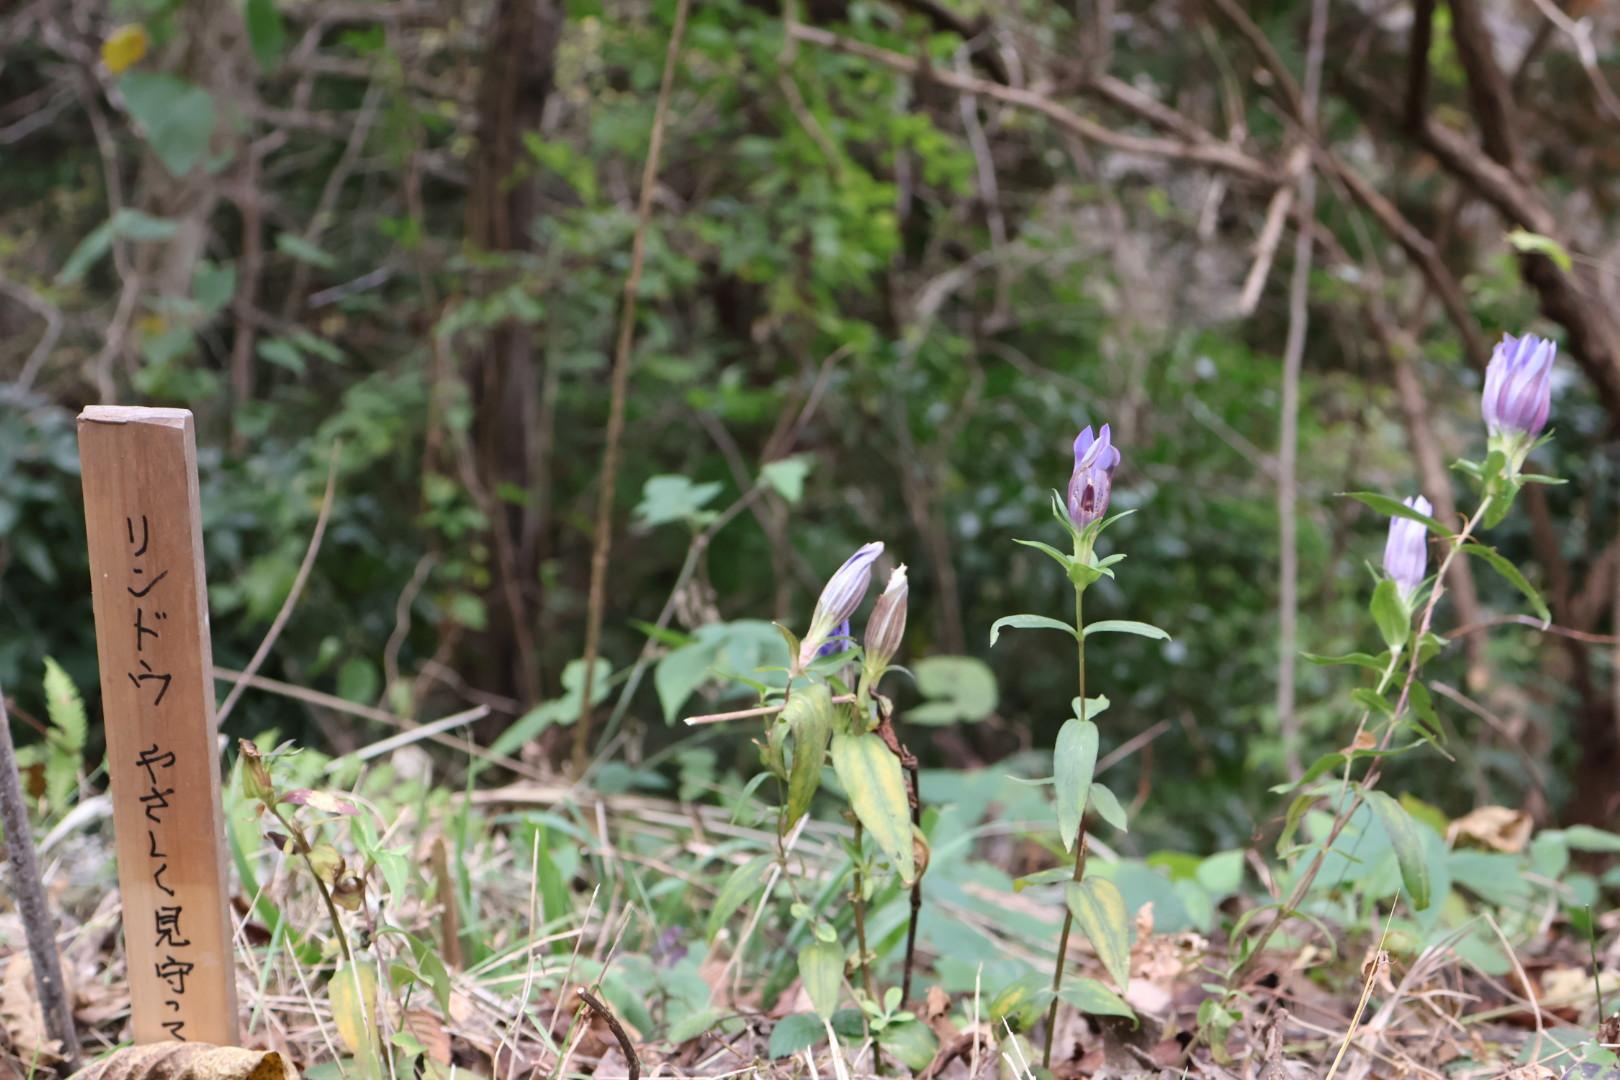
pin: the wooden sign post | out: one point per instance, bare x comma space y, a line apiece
157, 699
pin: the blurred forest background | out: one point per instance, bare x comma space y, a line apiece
899, 251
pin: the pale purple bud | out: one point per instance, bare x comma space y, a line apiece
842, 595
1095, 459
1406, 552
1518, 385
887, 626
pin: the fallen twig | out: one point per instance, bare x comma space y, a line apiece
601, 1010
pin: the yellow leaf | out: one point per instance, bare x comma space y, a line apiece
124, 47
353, 991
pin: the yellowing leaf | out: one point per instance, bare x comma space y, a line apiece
124, 47
821, 969
353, 991
1099, 909
877, 791
809, 717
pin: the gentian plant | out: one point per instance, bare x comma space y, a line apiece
832, 708
1094, 903
1397, 712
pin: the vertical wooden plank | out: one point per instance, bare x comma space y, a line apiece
151, 605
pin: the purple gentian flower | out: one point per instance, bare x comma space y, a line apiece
1406, 552
1095, 460
1518, 389
839, 599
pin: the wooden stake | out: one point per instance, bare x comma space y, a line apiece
151, 603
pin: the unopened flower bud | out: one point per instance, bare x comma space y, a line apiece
348, 892
256, 782
842, 595
887, 627
1518, 385
1406, 552
1092, 481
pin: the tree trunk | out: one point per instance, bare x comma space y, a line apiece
502, 371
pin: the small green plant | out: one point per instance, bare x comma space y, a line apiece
1397, 713
1095, 903
59, 756
363, 881
831, 709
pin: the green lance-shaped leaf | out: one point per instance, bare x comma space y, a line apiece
1099, 910
821, 969
1391, 614
1072, 764
1407, 841
809, 717
1108, 807
877, 791
1127, 626
743, 883
1065, 561
1395, 508
1505, 568
1536, 244
1027, 622
1095, 999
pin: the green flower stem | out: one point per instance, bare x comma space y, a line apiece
1079, 843
303, 849
1302, 886
860, 914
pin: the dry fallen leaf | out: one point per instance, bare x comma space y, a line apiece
21, 1018
188, 1061
1496, 827
430, 1031
1568, 985
1364, 740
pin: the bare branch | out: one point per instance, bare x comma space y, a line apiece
1215, 155
620, 390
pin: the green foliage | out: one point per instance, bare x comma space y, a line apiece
956, 689
1028, 622
176, 117
1408, 843
1072, 763
60, 757
821, 966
